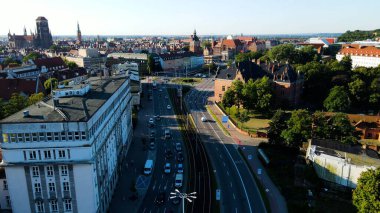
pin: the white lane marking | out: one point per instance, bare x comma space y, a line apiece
236, 210
233, 194
231, 184
228, 173
224, 164
154, 185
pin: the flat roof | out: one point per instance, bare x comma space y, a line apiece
75, 108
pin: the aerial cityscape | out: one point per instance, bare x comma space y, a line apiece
167, 106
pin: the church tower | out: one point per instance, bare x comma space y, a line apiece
195, 44
79, 34
43, 35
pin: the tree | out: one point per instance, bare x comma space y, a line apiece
366, 196
32, 56
54, 47
150, 64
206, 44
338, 100
2, 113
237, 87
186, 48
358, 90
299, 128
340, 129
228, 98
9, 60
320, 126
249, 95
276, 126
72, 65
50, 83
283, 53
264, 94
307, 54
34, 98
15, 104
346, 62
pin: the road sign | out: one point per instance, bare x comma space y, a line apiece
259, 171
224, 118
249, 157
218, 194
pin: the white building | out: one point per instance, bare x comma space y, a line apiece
362, 56
5, 200
65, 155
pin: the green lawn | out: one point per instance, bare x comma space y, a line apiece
256, 122
186, 80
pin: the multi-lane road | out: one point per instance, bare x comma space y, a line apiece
239, 191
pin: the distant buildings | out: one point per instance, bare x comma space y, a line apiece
88, 57
41, 39
362, 56
180, 61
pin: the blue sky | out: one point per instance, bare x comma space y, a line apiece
180, 17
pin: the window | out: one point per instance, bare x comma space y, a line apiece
49, 171
35, 171
64, 170
27, 137
54, 205
13, 138
39, 206
223, 88
47, 154
8, 201
61, 154
76, 134
49, 136
70, 136
20, 138
83, 135
51, 187
63, 136
5, 185
67, 204
220, 95
37, 187
42, 136
56, 136
66, 186
34, 137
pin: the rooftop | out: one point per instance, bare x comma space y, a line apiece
75, 108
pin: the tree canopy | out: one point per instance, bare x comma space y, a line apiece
298, 128
15, 104
248, 56
366, 196
276, 126
51, 83
32, 55
358, 35
338, 100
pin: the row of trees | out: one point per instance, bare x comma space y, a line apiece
358, 35
18, 102
293, 129
288, 53
253, 95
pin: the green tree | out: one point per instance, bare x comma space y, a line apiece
228, 98
307, 54
15, 104
186, 48
276, 126
264, 94
358, 90
338, 100
320, 126
299, 128
206, 44
51, 83
54, 48
340, 129
32, 56
237, 86
366, 196
72, 65
346, 62
249, 95
2, 112
150, 64
34, 98
10, 60
283, 53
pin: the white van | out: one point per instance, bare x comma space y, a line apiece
148, 167
167, 133
178, 180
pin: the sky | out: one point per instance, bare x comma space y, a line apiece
181, 17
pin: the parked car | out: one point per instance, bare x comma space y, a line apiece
168, 107
178, 147
152, 146
167, 168
203, 119
180, 168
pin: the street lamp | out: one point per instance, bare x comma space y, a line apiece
183, 196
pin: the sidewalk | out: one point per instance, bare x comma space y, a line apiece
249, 147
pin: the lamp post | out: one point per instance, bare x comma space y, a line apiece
183, 196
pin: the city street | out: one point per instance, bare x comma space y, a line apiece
239, 191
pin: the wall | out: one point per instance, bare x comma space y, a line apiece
218, 84
18, 189
84, 187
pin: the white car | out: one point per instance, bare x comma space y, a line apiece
151, 121
180, 168
167, 168
203, 119
168, 107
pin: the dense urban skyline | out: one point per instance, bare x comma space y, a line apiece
168, 17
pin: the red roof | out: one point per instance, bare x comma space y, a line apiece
360, 50
330, 40
9, 86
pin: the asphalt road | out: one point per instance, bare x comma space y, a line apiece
161, 182
239, 191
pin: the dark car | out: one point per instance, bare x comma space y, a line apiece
179, 157
168, 154
160, 198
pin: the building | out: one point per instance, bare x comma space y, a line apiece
43, 35
41, 39
195, 44
5, 200
287, 84
227, 48
367, 125
140, 58
65, 154
88, 57
79, 35
180, 61
362, 56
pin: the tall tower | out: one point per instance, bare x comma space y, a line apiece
25, 34
43, 35
79, 35
195, 44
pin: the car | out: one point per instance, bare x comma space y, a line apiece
160, 198
178, 180
180, 168
176, 200
168, 153
157, 117
204, 76
167, 134
160, 90
179, 157
168, 107
203, 119
152, 146
178, 147
151, 120
167, 168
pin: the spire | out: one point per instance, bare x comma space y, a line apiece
195, 32
25, 31
78, 26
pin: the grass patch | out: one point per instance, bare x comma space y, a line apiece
218, 121
190, 81
261, 187
256, 122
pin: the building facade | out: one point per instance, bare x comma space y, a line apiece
195, 44
65, 154
362, 56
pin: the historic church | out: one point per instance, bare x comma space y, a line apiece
40, 39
